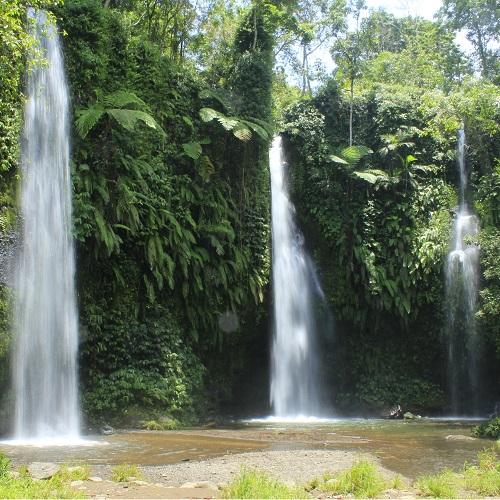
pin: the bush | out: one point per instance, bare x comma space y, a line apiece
254, 484
490, 429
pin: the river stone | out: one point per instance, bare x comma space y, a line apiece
459, 437
107, 430
95, 479
42, 470
140, 483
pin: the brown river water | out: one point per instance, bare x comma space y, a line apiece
410, 448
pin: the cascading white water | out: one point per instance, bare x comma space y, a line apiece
462, 276
45, 313
295, 390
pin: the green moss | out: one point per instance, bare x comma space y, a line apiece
254, 484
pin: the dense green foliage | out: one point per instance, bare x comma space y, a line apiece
489, 429
173, 111
378, 215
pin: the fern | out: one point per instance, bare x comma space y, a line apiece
128, 118
87, 119
121, 99
113, 106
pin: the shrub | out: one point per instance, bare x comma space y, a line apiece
254, 484
490, 429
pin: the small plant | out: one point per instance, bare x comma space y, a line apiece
363, 480
23, 486
489, 429
122, 473
74, 472
397, 483
4, 465
442, 485
161, 425
484, 479
254, 484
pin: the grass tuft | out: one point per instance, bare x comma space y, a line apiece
397, 483
442, 485
254, 484
23, 486
484, 478
362, 480
74, 472
122, 473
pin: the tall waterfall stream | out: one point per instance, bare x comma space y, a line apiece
45, 313
295, 384
462, 277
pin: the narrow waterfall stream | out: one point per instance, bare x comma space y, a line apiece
462, 277
295, 385
45, 314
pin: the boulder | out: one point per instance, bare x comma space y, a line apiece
460, 437
42, 470
208, 485
410, 416
107, 430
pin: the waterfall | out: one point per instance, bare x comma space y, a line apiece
462, 276
45, 314
295, 385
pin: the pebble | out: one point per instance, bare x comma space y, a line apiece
95, 479
140, 483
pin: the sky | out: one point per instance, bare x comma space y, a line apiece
421, 8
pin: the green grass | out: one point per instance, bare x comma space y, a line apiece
484, 478
167, 425
25, 487
362, 480
74, 472
442, 485
397, 483
122, 473
254, 484
478, 480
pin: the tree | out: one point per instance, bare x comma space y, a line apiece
347, 53
480, 20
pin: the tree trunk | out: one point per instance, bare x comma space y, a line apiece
254, 29
351, 104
